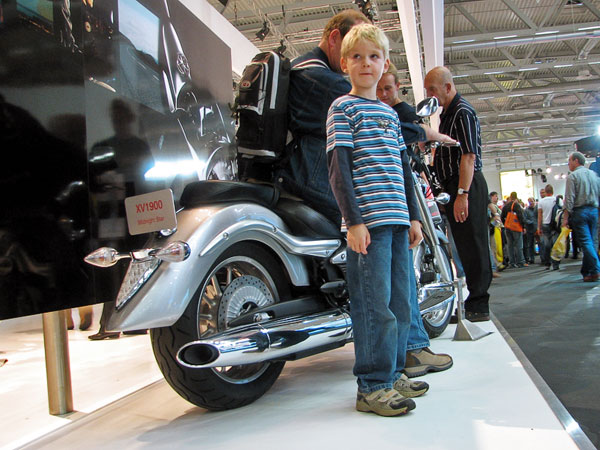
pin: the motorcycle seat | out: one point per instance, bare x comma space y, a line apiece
305, 221
218, 191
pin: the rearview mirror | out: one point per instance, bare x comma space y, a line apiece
427, 107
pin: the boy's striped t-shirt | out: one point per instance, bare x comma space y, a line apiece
371, 130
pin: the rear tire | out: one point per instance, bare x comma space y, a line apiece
244, 277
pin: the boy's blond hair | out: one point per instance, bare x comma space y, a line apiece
366, 31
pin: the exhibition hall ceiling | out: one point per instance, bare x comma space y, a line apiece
531, 68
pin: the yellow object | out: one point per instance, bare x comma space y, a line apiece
498, 239
559, 247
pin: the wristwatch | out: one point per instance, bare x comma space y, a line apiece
462, 191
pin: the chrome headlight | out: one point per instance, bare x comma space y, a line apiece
137, 274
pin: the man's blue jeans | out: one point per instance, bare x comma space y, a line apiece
585, 223
417, 336
379, 286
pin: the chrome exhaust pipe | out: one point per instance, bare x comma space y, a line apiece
435, 296
278, 338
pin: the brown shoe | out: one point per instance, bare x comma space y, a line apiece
477, 316
104, 335
421, 361
496, 275
590, 278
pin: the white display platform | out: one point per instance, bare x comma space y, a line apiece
486, 401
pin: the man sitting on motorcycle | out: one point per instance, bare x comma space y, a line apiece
311, 92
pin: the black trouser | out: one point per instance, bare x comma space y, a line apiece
472, 241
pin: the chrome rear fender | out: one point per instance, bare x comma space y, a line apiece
208, 230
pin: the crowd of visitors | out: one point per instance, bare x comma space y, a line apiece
555, 226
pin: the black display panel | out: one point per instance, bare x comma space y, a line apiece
100, 100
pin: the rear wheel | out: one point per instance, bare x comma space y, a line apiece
243, 278
436, 321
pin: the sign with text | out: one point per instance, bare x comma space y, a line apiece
150, 212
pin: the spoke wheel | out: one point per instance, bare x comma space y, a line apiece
244, 277
436, 321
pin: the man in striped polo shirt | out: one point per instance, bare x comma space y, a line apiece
459, 171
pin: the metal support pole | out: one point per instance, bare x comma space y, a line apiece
465, 330
58, 370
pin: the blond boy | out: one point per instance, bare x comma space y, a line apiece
373, 186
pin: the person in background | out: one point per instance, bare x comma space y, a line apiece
494, 213
544, 229
581, 205
459, 171
530, 217
514, 231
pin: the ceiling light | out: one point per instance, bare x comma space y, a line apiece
563, 65
548, 169
464, 42
556, 177
540, 33
460, 76
493, 73
263, 32
526, 69
595, 27
506, 37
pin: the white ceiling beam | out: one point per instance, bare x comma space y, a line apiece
521, 33
470, 18
521, 65
520, 14
432, 31
406, 12
538, 90
595, 11
521, 40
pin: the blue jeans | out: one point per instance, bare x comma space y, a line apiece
515, 247
585, 223
417, 336
493, 260
379, 286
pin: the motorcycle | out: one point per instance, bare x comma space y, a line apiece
249, 280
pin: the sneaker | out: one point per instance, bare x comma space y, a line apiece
385, 402
423, 360
408, 388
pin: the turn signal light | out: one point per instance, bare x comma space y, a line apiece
176, 251
104, 257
